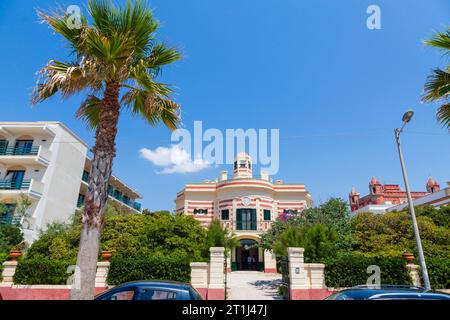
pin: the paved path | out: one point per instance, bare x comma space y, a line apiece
253, 285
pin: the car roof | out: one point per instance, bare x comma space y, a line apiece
159, 283
386, 291
403, 295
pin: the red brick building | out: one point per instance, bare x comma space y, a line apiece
381, 196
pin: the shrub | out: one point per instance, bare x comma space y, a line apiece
42, 271
148, 268
439, 273
350, 270
10, 236
3, 258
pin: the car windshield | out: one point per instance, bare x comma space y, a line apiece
339, 296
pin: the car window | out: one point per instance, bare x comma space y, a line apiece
339, 296
195, 295
155, 294
121, 295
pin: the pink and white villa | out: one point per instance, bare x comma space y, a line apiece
245, 205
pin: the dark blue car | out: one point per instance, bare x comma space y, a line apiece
386, 292
151, 290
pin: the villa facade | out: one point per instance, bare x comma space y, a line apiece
46, 163
247, 206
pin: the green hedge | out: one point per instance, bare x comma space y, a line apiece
439, 273
3, 258
42, 271
148, 268
351, 270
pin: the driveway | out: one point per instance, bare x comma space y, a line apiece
253, 285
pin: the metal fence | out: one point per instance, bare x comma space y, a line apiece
284, 268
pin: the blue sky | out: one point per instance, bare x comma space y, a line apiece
311, 68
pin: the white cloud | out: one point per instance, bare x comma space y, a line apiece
173, 160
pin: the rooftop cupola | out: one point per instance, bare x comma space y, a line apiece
432, 185
375, 186
243, 166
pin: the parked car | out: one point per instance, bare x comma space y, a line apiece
151, 290
388, 292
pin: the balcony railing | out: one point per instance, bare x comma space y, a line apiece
14, 184
112, 192
9, 219
135, 205
19, 151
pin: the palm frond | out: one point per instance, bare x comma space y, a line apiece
134, 24
443, 115
152, 108
440, 40
160, 56
89, 111
118, 48
65, 78
437, 86
58, 21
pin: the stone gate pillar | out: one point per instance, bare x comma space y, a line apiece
297, 274
216, 286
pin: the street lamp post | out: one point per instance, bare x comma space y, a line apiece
406, 118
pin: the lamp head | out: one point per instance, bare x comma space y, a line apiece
407, 116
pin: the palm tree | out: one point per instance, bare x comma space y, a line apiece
219, 236
116, 61
437, 87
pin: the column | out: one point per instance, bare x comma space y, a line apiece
102, 274
216, 286
414, 273
297, 276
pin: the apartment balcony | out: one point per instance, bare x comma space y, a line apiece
113, 193
13, 188
25, 155
124, 200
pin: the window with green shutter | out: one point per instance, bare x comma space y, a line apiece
267, 215
225, 214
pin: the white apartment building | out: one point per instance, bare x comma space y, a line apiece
47, 164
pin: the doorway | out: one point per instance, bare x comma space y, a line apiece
247, 255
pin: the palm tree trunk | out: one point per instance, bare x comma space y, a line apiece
92, 218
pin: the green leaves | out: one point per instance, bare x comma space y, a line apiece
119, 47
42, 271
317, 240
350, 270
391, 234
439, 272
219, 236
440, 40
333, 216
437, 86
125, 269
